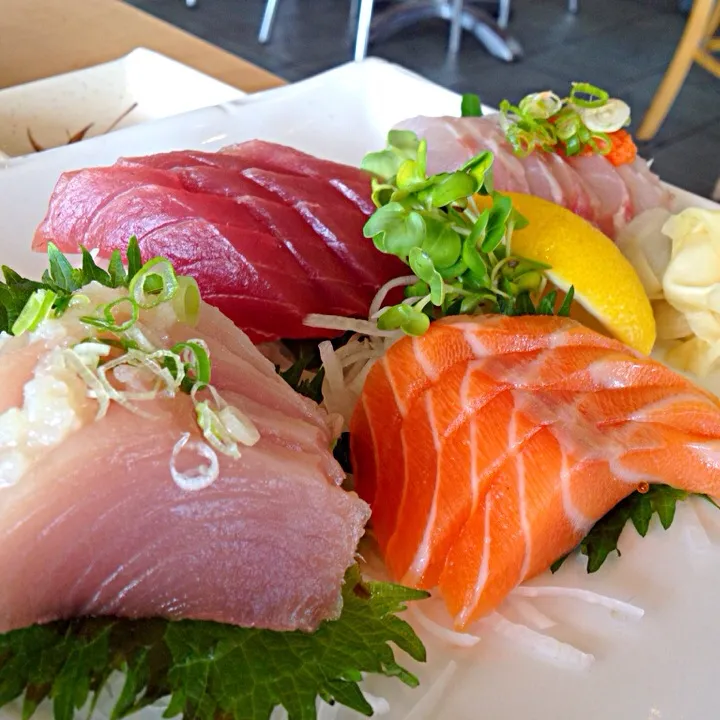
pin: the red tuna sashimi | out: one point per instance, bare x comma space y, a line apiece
350, 182
80, 195
339, 285
255, 265
329, 221
216, 181
92, 527
317, 220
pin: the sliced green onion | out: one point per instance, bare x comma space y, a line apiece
78, 299
97, 387
109, 321
203, 475
137, 337
470, 106
154, 284
186, 302
567, 124
156, 363
600, 143
37, 308
542, 105
609, 117
595, 96
572, 145
195, 355
239, 426
215, 431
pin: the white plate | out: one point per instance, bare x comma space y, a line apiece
662, 667
55, 108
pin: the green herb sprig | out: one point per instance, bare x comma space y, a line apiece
638, 508
60, 282
207, 670
461, 256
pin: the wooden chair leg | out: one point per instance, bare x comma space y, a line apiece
695, 32
714, 24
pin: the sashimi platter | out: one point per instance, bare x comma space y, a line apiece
313, 409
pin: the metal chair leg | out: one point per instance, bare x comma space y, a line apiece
363, 29
455, 27
504, 13
267, 21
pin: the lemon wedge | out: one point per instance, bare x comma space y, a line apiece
606, 284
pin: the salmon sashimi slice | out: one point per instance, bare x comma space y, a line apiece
489, 446
93, 521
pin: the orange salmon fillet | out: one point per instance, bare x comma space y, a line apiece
489, 446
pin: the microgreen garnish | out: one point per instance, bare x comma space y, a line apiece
207, 670
638, 508
580, 123
460, 255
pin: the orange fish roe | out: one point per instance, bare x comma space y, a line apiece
623, 148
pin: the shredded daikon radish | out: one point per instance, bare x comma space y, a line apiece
381, 294
346, 370
530, 614
425, 708
693, 530
442, 632
338, 322
616, 606
356, 384
542, 646
333, 368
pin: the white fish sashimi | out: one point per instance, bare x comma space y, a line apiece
591, 187
95, 524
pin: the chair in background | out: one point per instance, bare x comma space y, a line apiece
698, 43
471, 16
